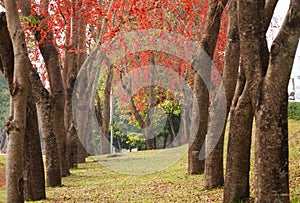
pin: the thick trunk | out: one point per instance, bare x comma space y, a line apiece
50, 56
15, 127
52, 158
38, 91
271, 146
199, 121
271, 151
239, 143
213, 171
268, 76
49, 139
198, 126
214, 175
34, 178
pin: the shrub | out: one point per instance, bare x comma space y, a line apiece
294, 110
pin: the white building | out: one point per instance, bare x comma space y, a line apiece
294, 89
294, 84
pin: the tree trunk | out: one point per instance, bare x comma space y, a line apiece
148, 130
239, 145
50, 56
72, 138
34, 181
185, 126
271, 146
105, 145
214, 175
199, 121
34, 177
150, 140
82, 153
49, 139
15, 127
6, 52
72, 71
213, 170
173, 133
268, 77
144, 125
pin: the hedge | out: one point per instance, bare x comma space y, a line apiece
294, 110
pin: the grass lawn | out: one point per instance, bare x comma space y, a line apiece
92, 182
2, 160
2, 171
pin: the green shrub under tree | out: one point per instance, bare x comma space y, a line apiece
294, 110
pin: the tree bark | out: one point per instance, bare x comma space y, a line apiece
6, 52
104, 139
34, 176
49, 139
72, 70
214, 175
271, 146
82, 152
237, 178
268, 76
239, 145
15, 127
34, 181
50, 56
199, 122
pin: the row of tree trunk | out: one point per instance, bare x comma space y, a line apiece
27, 93
255, 82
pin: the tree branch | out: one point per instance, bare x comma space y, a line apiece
269, 11
284, 46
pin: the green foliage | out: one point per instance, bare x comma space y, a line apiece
4, 101
171, 107
30, 20
294, 110
137, 140
125, 131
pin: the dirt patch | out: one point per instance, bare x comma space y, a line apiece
2, 176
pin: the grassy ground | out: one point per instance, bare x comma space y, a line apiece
294, 169
2, 171
2, 160
92, 182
